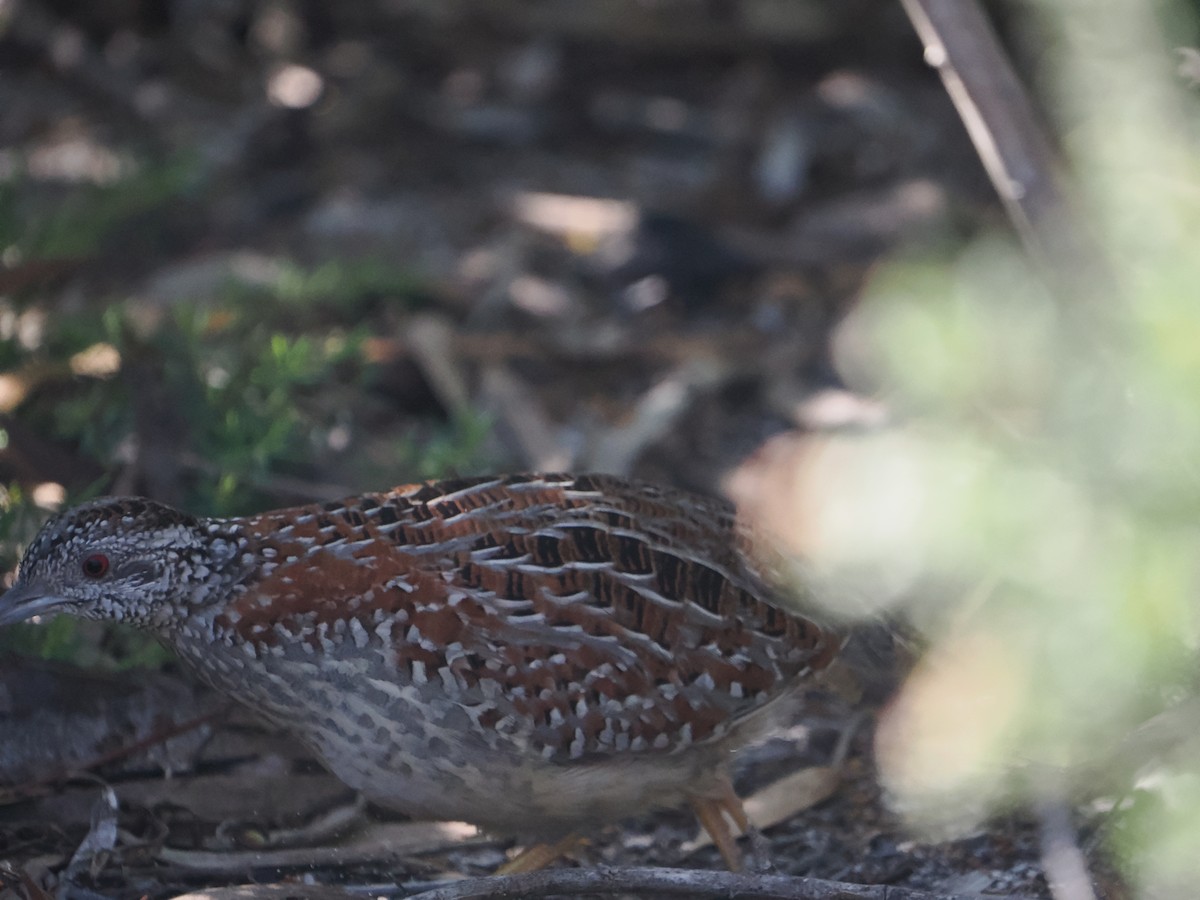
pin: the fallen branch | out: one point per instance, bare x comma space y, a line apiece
695, 883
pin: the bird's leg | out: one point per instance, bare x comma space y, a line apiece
713, 811
538, 856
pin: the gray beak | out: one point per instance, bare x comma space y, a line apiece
24, 601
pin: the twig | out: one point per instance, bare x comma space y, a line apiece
1020, 160
698, 884
273, 892
431, 341
1063, 861
381, 843
532, 431
656, 414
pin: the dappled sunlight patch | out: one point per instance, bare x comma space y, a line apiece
76, 157
97, 361
294, 87
49, 495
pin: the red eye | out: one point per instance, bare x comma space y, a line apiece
95, 565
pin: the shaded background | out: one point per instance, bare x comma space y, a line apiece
359, 244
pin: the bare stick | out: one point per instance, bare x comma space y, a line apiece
1062, 860
698, 884
1020, 160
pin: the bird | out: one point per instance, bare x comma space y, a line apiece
534, 654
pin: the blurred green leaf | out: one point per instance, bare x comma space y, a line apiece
1042, 505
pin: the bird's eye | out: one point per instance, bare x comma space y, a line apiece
95, 566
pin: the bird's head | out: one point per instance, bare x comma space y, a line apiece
125, 559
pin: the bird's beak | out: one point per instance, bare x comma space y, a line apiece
24, 601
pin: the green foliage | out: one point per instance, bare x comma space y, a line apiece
61, 639
455, 449
1047, 479
84, 219
337, 289
247, 389
247, 382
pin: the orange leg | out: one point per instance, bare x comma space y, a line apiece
715, 814
538, 856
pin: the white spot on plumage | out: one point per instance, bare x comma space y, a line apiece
485, 553
563, 599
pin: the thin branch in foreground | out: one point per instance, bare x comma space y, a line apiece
1015, 150
1062, 859
695, 883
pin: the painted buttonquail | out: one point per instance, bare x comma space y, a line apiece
532, 654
